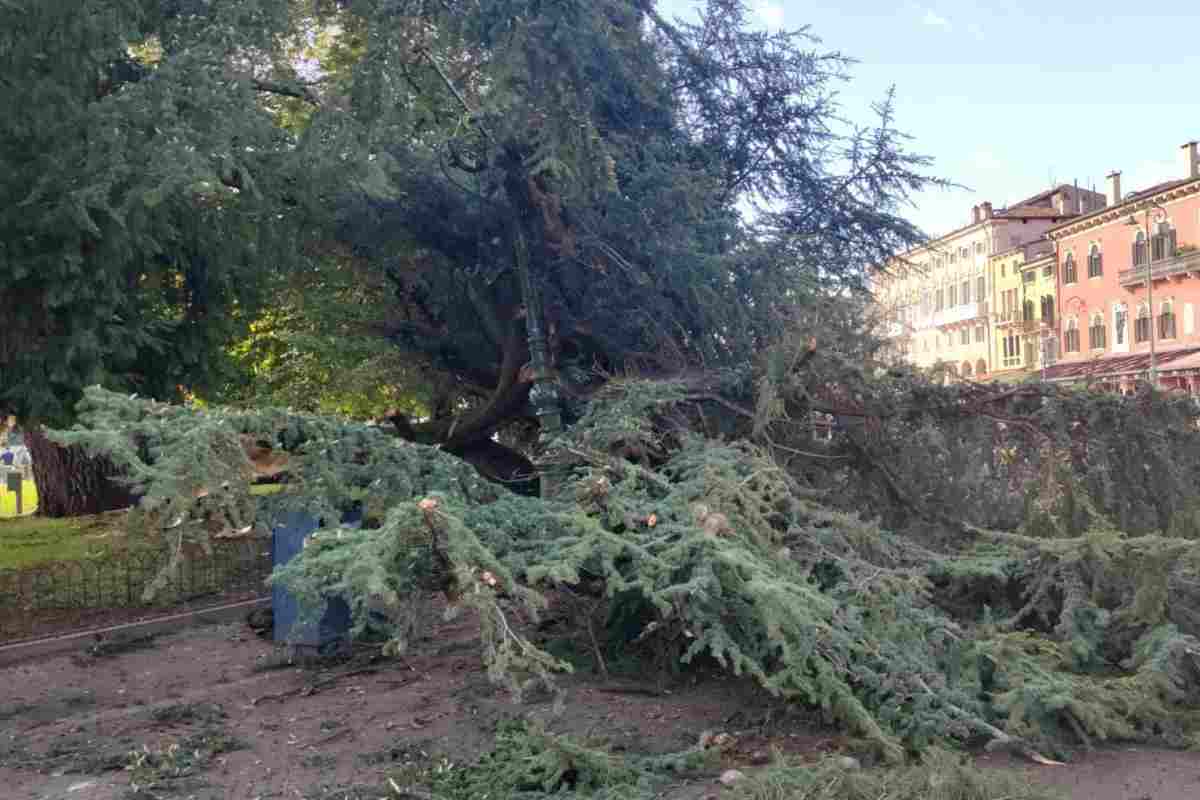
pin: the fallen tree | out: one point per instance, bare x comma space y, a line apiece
714, 531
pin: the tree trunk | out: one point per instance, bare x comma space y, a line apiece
70, 483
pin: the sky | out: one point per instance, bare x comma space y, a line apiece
1008, 98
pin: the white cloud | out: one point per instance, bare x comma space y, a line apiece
770, 13
935, 20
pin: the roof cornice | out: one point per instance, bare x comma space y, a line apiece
1106, 215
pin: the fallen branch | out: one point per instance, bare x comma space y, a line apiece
1000, 739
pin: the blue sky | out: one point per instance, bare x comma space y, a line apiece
1007, 97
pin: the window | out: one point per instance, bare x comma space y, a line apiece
1048, 271
966, 369
953, 257
1071, 345
980, 288
980, 334
1048, 309
1027, 311
1003, 270
1166, 321
1141, 326
1096, 333
1120, 320
1011, 346
1069, 269
939, 300
951, 296
965, 291
1095, 267
1162, 243
979, 247
964, 336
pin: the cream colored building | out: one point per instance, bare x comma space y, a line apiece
1024, 303
936, 301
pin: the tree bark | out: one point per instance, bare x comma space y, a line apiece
70, 483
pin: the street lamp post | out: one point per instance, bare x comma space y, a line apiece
1160, 215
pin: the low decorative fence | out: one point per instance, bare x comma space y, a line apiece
108, 590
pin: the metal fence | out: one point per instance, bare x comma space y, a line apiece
108, 590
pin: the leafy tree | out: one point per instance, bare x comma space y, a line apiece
144, 193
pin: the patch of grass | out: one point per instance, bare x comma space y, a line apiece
941, 775
31, 540
8, 500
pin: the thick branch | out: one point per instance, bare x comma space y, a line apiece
299, 91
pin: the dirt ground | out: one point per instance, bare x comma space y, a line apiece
250, 727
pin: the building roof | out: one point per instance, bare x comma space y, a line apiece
1130, 198
1124, 364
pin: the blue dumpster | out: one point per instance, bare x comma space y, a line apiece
326, 636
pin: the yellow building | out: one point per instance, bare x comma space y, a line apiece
1024, 302
937, 303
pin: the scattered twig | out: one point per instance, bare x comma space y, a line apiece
313, 688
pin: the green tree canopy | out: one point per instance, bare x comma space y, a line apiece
144, 190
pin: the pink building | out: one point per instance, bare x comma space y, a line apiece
1129, 280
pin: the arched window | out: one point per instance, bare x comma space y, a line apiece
1095, 266
980, 368
1120, 321
1162, 242
1166, 321
1071, 345
1141, 325
966, 369
1139, 249
1069, 269
1096, 338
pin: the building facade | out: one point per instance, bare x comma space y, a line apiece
1025, 335
1129, 280
937, 302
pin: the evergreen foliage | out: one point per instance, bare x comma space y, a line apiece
708, 548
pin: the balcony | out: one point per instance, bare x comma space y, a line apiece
1181, 264
961, 313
